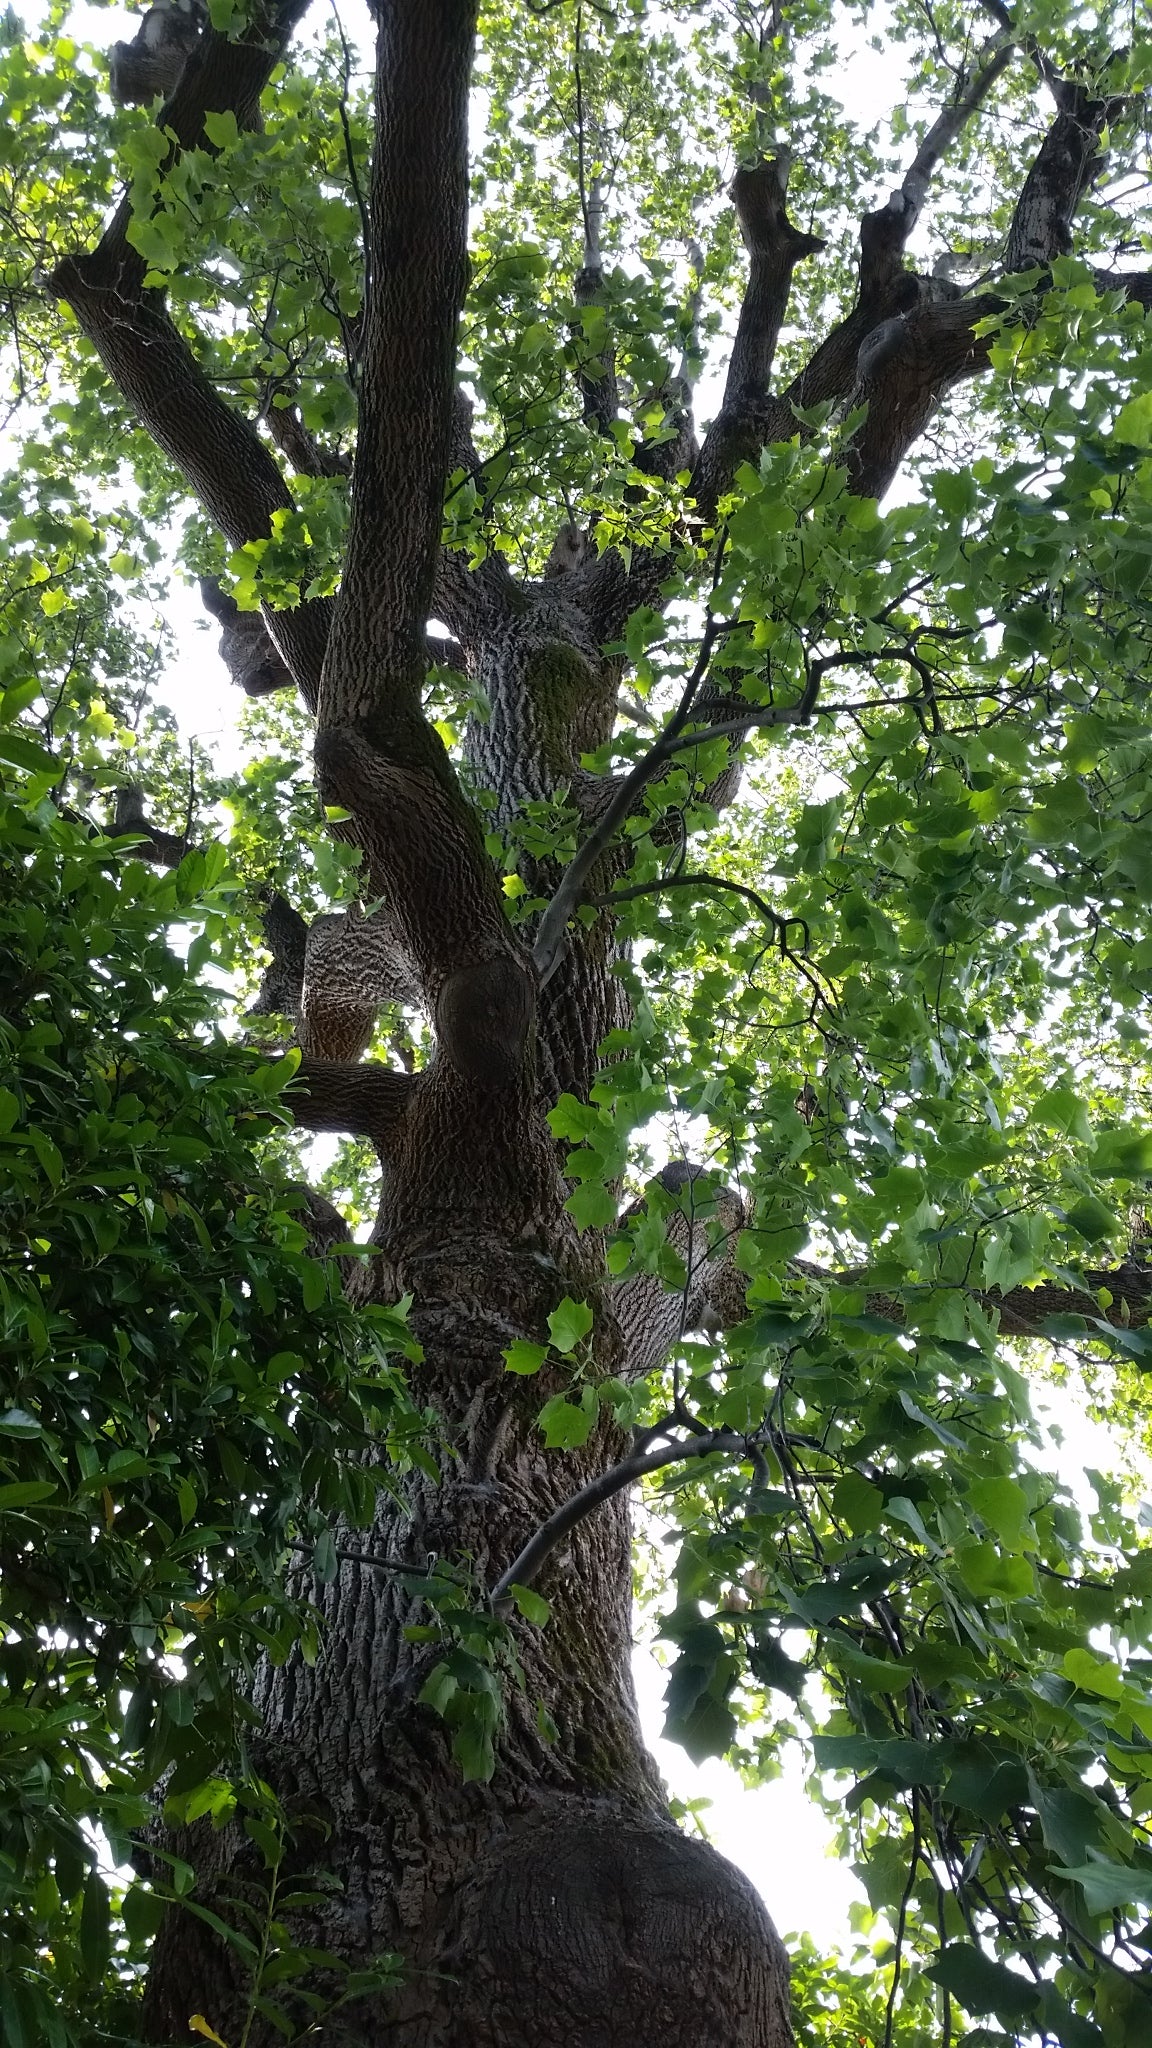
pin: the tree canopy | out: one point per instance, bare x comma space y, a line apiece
713, 546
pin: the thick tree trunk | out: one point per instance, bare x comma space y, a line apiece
557, 1903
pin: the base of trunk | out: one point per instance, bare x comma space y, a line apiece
590, 1929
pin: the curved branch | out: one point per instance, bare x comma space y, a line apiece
780, 925
536, 1552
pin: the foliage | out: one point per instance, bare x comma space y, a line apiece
919, 1047
185, 1394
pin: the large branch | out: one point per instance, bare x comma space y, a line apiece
222, 75
336, 1095
596, 378
750, 417
774, 248
653, 1317
1063, 171
227, 465
331, 976
417, 272
376, 754
1021, 1311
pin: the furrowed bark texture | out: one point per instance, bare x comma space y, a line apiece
557, 1904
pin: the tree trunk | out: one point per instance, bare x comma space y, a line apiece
558, 1902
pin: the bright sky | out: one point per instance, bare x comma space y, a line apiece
774, 1833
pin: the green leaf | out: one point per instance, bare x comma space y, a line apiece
474, 1751
1134, 421
1090, 1674
221, 129
524, 1358
1003, 1505
566, 1424
18, 1422
21, 1493
568, 1323
1110, 1887
856, 1501
95, 1927
991, 1576
984, 1986
531, 1605
1125, 1154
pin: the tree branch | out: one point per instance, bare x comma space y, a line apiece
596, 378
337, 1095
1064, 169
418, 209
884, 235
774, 248
1022, 1311
536, 1552
167, 849
681, 734
332, 976
246, 647
653, 1317
219, 452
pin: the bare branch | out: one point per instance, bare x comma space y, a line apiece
596, 377
412, 819
536, 1552
972, 90
299, 448
720, 883
774, 248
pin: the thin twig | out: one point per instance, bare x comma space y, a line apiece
719, 882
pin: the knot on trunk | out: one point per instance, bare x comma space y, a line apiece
245, 646
484, 1017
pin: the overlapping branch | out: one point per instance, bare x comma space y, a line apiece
1021, 1311
692, 725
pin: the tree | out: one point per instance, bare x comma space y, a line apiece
906, 1003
